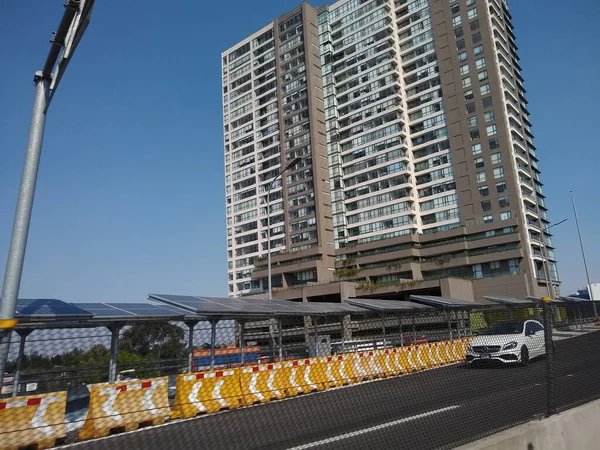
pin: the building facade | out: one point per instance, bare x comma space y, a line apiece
418, 171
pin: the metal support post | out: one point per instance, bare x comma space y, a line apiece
23, 335
20, 231
242, 340
213, 341
343, 334
114, 352
314, 320
280, 331
414, 329
191, 324
585, 266
550, 381
400, 329
448, 317
383, 331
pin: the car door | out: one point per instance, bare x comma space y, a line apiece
534, 335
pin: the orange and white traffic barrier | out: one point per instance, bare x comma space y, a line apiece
300, 378
338, 370
126, 406
206, 392
262, 383
366, 366
388, 360
37, 420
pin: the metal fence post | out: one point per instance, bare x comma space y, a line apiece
550, 381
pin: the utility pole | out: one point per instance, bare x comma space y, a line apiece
65, 40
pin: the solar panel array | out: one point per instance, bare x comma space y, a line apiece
185, 307
509, 300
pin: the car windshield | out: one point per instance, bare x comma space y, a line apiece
504, 328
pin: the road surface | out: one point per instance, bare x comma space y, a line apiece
439, 408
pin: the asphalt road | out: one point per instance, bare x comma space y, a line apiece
440, 408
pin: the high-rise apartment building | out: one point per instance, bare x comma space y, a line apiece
418, 172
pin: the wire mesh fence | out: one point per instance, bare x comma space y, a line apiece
421, 379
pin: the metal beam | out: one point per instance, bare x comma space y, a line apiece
114, 352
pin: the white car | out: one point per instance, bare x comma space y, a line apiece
510, 342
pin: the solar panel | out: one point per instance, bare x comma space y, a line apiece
387, 305
49, 309
509, 300
131, 311
444, 302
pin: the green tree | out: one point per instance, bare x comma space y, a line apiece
154, 341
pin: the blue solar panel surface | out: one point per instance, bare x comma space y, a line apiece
51, 309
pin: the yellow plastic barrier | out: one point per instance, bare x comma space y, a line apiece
37, 420
436, 354
206, 392
338, 371
445, 352
262, 383
299, 377
399, 360
125, 406
367, 366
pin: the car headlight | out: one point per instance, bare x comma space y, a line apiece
510, 346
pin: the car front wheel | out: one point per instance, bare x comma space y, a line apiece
524, 356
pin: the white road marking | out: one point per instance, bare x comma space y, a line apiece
375, 428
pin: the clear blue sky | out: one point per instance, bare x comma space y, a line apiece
130, 197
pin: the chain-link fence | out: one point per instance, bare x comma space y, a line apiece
425, 378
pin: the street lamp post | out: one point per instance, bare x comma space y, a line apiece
547, 276
290, 165
587, 274
70, 30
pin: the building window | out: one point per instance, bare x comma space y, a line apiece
496, 158
491, 130
458, 32
478, 49
460, 44
487, 102
472, 13
466, 82
484, 89
501, 187
476, 149
498, 172
468, 95
488, 116
484, 191
462, 56
470, 108
488, 219
472, 121
454, 9
470, 2
480, 63
486, 205
505, 215
513, 266
474, 25
474, 134
479, 163
503, 202
464, 69
495, 266
477, 271
481, 177
483, 75
476, 37
494, 144
456, 21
